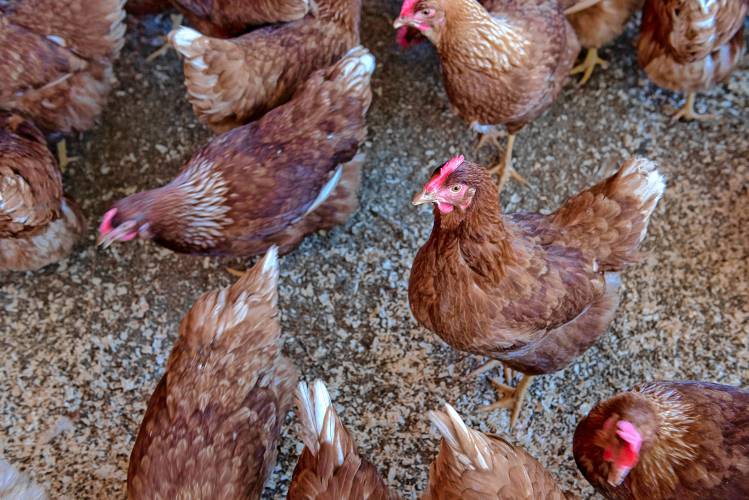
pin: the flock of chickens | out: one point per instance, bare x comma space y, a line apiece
285, 84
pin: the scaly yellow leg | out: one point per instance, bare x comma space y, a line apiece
504, 167
62, 156
588, 65
512, 397
687, 112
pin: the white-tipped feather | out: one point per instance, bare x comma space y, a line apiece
470, 447
319, 418
326, 190
184, 37
270, 261
358, 62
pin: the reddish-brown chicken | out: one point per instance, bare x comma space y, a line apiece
38, 225
668, 440
597, 23
330, 467
56, 59
690, 45
225, 18
474, 465
503, 67
230, 82
213, 422
144, 7
532, 291
269, 182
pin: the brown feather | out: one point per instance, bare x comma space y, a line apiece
213, 422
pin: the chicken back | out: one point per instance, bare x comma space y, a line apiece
56, 59
38, 225
473, 465
230, 82
213, 422
330, 466
269, 182
667, 440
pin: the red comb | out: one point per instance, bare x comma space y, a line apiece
106, 222
447, 169
408, 8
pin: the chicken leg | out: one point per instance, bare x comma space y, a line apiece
63, 160
688, 113
589, 65
504, 167
512, 397
176, 23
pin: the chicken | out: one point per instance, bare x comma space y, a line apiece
231, 82
503, 67
16, 485
597, 23
532, 291
38, 225
687, 440
269, 182
213, 422
329, 466
145, 7
690, 45
471, 464
226, 18
56, 60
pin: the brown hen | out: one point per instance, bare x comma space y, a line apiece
474, 465
213, 422
690, 45
330, 466
56, 59
532, 291
503, 67
230, 82
270, 182
38, 225
668, 440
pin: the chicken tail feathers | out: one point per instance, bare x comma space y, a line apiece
613, 215
320, 423
354, 71
471, 448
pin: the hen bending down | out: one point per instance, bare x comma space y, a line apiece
56, 60
270, 182
38, 225
471, 464
690, 45
330, 466
505, 66
230, 82
212, 424
532, 291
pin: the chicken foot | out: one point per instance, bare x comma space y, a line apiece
588, 66
63, 160
504, 167
688, 113
512, 397
176, 23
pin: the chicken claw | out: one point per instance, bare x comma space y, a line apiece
483, 368
504, 167
588, 66
687, 112
512, 397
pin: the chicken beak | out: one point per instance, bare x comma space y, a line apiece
422, 198
122, 232
399, 23
617, 475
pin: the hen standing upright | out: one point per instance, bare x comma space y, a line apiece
533, 291
668, 440
690, 45
269, 182
56, 60
503, 67
330, 466
474, 465
38, 225
213, 422
230, 82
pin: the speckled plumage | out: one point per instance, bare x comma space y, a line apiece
256, 185
696, 442
56, 59
472, 465
230, 82
330, 467
212, 424
684, 49
531, 290
38, 225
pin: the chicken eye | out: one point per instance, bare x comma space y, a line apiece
427, 12
455, 188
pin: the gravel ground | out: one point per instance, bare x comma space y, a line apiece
85, 341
